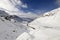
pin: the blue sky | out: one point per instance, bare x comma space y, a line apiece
39, 6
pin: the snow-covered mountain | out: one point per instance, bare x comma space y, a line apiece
16, 24
50, 20
45, 27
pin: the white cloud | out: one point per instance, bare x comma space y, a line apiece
25, 6
11, 5
19, 3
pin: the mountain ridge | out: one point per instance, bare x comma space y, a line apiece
47, 18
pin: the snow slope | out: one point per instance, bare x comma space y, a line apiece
47, 27
50, 20
10, 30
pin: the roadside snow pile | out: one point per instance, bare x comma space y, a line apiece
46, 27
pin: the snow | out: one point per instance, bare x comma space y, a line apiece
10, 30
25, 37
47, 27
48, 21
47, 34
